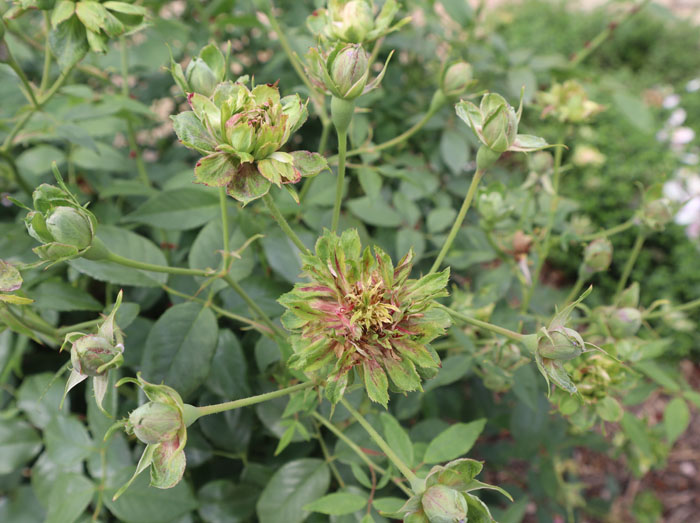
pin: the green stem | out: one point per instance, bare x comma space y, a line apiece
606, 33
384, 446
55, 86
400, 138
638, 243
127, 262
19, 180
254, 307
325, 132
679, 308
547, 242
576, 290
282, 222
356, 449
328, 456
340, 180
224, 223
47, 54
130, 133
245, 402
19, 125
609, 232
458, 222
62, 331
27, 90
511, 335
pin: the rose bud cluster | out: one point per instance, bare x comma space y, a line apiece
64, 227
624, 319
240, 133
343, 72
362, 317
495, 124
203, 73
568, 102
162, 425
94, 355
354, 21
447, 496
94, 23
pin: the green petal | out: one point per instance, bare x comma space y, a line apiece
247, 184
215, 170
376, 382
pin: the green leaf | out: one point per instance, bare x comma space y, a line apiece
180, 347
309, 164
440, 219
454, 442
248, 184
10, 278
144, 504
60, 296
215, 170
337, 504
609, 409
459, 10
130, 245
454, 150
659, 374
374, 212
229, 370
636, 430
397, 438
70, 496
21, 506
67, 440
178, 209
69, 42
222, 501
676, 419
39, 398
19, 443
92, 14
634, 109
192, 132
291, 488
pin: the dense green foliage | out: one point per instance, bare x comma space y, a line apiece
386, 378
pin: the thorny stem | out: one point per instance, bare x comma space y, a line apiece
547, 242
606, 33
356, 449
383, 445
458, 222
130, 133
252, 400
511, 335
638, 243
284, 225
339, 184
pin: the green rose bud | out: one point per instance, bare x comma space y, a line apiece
349, 71
500, 124
625, 322
200, 77
168, 465
70, 226
560, 344
630, 296
356, 21
155, 422
457, 78
656, 214
442, 504
541, 162
92, 355
597, 256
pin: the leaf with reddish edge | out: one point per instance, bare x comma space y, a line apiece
415, 352
10, 278
403, 374
309, 164
376, 382
247, 184
215, 170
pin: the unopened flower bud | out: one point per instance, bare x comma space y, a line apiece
657, 213
69, 226
349, 71
541, 162
625, 322
357, 21
500, 122
597, 256
560, 344
200, 77
168, 464
442, 504
630, 296
492, 206
91, 352
457, 79
155, 422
